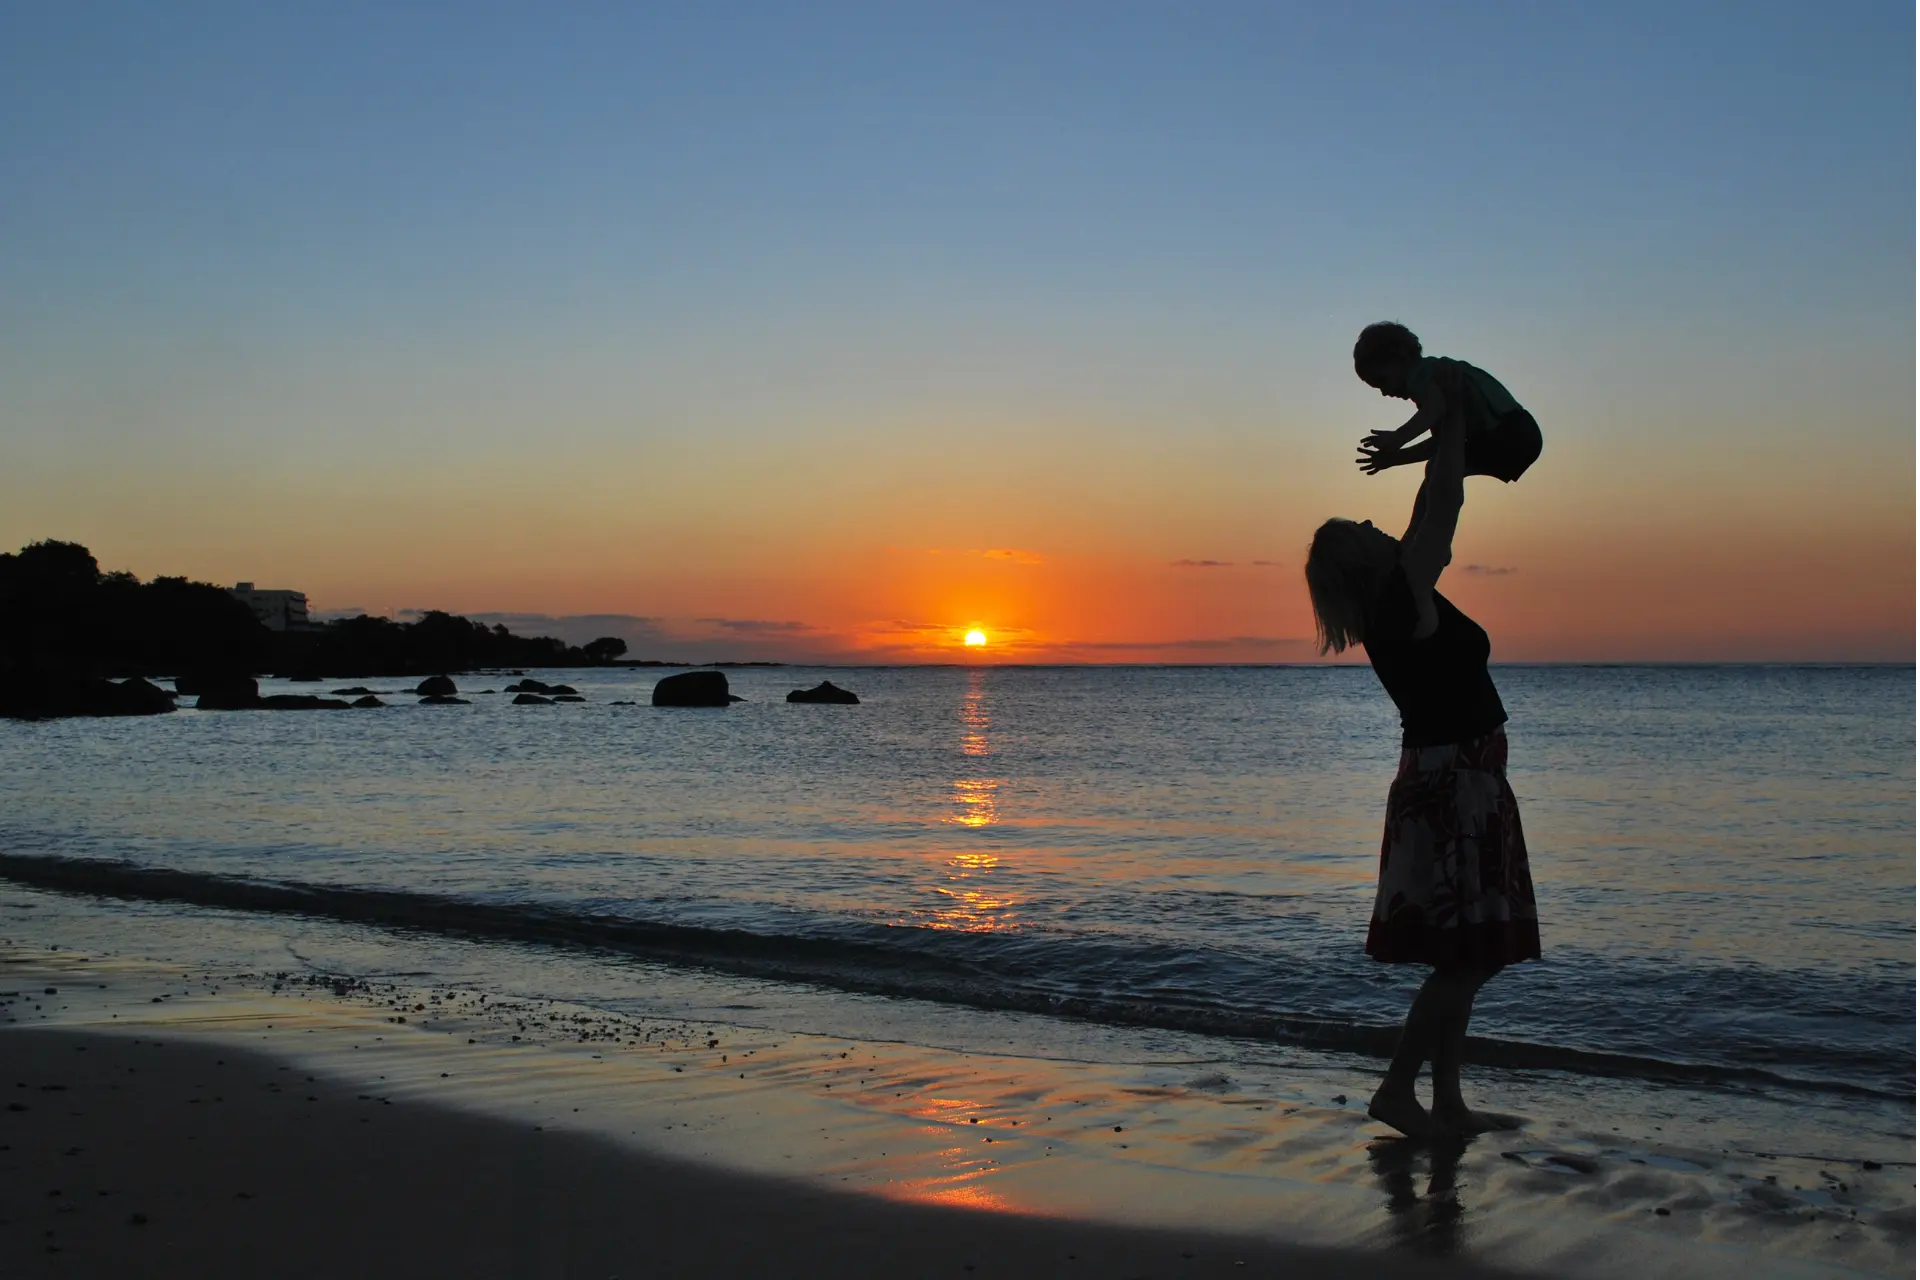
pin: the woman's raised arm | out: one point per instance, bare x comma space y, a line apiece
1428, 547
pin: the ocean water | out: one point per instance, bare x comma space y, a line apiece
1723, 855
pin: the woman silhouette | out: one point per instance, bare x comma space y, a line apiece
1454, 892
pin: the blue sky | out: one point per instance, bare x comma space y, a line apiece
241, 243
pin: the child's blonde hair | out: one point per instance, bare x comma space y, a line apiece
1342, 582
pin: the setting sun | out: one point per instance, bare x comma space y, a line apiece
976, 638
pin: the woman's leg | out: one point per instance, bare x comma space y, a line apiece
1443, 1001
1450, 1110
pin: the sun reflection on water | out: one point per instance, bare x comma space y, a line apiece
969, 900
974, 802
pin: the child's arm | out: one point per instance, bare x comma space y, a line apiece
1375, 460
1423, 419
1383, 449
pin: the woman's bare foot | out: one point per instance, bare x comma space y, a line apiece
1403, 1111
1464, 1122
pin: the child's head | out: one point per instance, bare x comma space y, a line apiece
1384, 356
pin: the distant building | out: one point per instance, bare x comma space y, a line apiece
279, 610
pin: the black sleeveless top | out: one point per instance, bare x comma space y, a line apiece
1440, 683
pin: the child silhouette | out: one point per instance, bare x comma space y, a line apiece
1502, 439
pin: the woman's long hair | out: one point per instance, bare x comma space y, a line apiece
1342, 581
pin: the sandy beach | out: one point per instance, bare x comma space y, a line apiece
136, 1155
164, 1122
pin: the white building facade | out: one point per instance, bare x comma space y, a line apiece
278, 610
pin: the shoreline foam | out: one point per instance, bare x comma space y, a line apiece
853, 965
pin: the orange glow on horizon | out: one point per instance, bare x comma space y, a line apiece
1553, 571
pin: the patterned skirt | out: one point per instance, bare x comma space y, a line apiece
1454, 885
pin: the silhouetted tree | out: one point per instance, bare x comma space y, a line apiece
605, 649
59, 613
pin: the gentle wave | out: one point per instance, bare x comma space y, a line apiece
899, 964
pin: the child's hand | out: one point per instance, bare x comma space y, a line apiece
1376, 456
1383, 441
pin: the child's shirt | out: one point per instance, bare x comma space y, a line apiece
1484, 410
1502, 439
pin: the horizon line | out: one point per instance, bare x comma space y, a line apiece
646, 663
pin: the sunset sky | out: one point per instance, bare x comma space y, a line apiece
834, 331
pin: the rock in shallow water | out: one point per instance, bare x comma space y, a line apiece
222, 693
34, 696
694, 689
825, 691
436, 687
443, 700
531, 700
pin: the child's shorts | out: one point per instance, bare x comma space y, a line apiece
1506, 449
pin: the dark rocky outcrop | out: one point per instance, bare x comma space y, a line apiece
443, 700
358, 691
694, 689
531, 700
300, 702
221, 684
222, 693
436, 687
35, 696
825, 691
368, 701
535, 686
568, 697
145, 692
243, 694
563, 691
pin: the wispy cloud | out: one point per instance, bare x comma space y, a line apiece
905, 629
1491, 571
1198, 645
900, 626
574, 628
1202, 564
1268, 564
756, 626
1012, 555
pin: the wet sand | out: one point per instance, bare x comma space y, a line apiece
140, 1155
350, 1126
